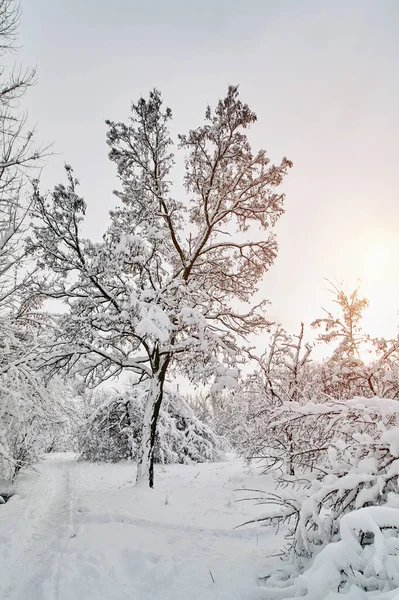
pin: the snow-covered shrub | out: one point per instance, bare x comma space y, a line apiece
356, 469
227, 412
284, 373
31, 408
109, 433
113, 431
363, 564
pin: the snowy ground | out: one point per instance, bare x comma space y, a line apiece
83, 532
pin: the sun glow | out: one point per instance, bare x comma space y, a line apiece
377, 258
380, 286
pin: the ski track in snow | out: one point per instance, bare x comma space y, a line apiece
83, 532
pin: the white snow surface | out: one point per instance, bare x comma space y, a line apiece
83, 531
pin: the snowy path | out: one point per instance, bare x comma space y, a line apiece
84, 532
31, 558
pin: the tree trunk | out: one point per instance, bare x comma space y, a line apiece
289, 464
145, 463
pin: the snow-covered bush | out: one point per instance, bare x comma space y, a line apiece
286, 374
33, 411
355, 470
113, 431
227, 412
283, 373
363, 564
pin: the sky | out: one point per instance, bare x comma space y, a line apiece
323, 78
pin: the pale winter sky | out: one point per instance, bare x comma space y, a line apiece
323, 78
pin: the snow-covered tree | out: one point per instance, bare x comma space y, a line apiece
283, 373
35, 414
343, 372
357, 468
22, 394
382, 373
347, 372
112, 430
18, 157
170, 288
